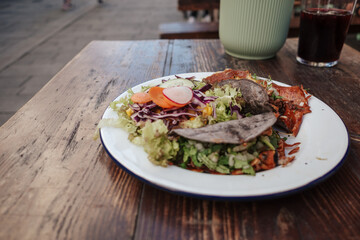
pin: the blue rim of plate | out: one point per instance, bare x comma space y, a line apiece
280, 194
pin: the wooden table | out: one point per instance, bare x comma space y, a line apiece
56, 182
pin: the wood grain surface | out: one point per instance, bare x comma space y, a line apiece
56, 182
194, 5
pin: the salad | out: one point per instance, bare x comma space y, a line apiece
220, 125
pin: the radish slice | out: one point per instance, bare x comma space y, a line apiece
179, 95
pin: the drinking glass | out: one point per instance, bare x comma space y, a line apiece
323, 28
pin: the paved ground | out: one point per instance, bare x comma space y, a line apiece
37, 39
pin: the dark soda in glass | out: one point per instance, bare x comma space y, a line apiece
322, 35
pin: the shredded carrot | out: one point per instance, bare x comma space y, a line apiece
286, 160
267, 160
237, 172
291, 145
295, 150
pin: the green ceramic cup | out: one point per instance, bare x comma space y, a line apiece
254, 29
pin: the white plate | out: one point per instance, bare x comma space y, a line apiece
324, 146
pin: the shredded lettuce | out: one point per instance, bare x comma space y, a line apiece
153, 137
222, 158
123, 121
226, 91
226, 96
193, 123
199, 84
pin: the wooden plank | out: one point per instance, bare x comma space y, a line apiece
194, 5
184, 30
56, 181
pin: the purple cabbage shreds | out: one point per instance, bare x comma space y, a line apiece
170, 122
148, 105
205, 88
171, 118
135, 107
172, 109
138, 107
194, 107
179, 114
135, 117
188, 78
197, 102
235, 109
202, 97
